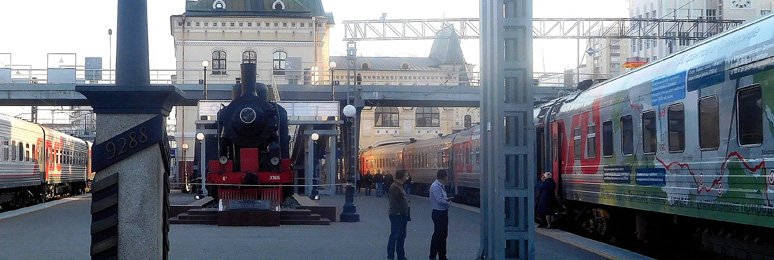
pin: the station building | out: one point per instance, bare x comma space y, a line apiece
445, 66
283, 37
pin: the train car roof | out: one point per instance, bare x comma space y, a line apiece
737, 47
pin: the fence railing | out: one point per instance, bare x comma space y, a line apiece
27, 75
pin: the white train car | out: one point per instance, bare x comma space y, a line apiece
37, 163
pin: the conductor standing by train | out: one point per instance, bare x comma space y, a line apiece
440, 216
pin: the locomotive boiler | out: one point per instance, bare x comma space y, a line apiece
253, 145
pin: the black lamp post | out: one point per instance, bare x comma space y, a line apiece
205, 64
349, 214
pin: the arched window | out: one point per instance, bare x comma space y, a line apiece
428, 117
467, 121
279, 62
404, 66
386, 117
219, 4
278, 5
365, 66
218, 63
249, 57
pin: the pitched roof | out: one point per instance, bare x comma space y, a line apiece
446, 47
293, 8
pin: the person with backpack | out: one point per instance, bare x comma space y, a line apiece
379, 180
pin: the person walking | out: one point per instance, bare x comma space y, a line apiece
440, 203
547, 205
379, 180
407, 186
388, 180
367, 180
400, 215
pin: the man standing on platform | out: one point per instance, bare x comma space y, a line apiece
440, 204
379, 180
367, 180
400, 214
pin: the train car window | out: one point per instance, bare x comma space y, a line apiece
467, 155
576, 143
13, 151
607, 138
627, 136
709, 130
649, 132
5, 149
478, 153
591, 142
676, 127
34, 154
750, 116
27, 152
21, 151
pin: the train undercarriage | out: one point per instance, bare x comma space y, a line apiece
667, 236
15, 198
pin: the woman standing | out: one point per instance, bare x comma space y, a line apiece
547, 200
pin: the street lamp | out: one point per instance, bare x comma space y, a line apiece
202, 170
314, 137
110, 53
332, 65
205, 64
349, 214
185, 167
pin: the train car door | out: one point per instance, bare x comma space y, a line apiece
557, 148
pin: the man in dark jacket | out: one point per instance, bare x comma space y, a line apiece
399, 214
388, 180
379, 180
367, 180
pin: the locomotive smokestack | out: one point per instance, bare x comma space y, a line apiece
248, 78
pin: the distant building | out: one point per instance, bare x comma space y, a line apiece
651, 50
445, 66
283, 37
606, 59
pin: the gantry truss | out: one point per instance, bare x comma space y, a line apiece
542, 28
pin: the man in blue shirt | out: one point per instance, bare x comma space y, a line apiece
440, 203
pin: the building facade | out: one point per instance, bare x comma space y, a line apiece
284, 38
651, 50
445, 66
605, 59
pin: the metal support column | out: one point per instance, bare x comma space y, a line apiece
507, 130
309, 167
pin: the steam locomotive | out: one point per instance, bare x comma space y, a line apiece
253, 145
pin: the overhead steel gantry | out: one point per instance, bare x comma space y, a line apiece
542, 28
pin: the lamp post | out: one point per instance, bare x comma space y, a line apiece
110, 53
202, 170
333, 89
349, 214
314, 137
185, 167
205, 64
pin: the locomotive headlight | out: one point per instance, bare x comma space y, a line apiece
223, 159
247, 115
275, 160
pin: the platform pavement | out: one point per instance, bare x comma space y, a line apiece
62, 232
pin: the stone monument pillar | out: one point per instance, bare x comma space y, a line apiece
130, 192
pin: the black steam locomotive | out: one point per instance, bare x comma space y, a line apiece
253, 145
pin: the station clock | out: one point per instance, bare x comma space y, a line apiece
741, 4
